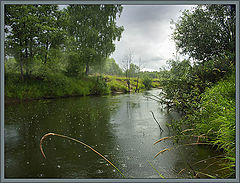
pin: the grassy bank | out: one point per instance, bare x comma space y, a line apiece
214, 121
46, 87
119, 84
59, 85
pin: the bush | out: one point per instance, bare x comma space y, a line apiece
147, 82
100, 86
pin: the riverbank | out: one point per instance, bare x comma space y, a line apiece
214, 122
61, 86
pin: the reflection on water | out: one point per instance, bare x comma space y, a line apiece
121, 127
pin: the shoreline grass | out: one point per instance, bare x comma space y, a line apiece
61, 86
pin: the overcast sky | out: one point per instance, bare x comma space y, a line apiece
147, 33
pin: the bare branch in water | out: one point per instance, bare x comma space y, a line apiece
156, 121
151, 98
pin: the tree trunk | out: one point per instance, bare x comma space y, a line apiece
46, 55
87, 69
137, 90
21, 66
21, 61
128, 83
31, 53
26, 59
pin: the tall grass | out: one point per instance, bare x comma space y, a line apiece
216, 116
214, 120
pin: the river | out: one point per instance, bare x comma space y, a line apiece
120, 127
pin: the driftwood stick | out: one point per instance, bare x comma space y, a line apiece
152, 98
156, 121
156, 96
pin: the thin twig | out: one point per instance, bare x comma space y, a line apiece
156, 121
195, 174
151, 98
156, 96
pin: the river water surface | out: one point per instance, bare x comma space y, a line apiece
120, 127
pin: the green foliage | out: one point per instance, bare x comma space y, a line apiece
199, 32
10, 65
133, 70
109, 67
147, 82
217, 114
215, 117
100, 86
155, 83
42, 38
117, 86
32, 31
179, 86
51, 86
153, 75
204, 90
93, 30
75, 66
184, 82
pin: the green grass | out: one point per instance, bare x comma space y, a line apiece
216, 118
217, 114
119, 84
58, 85
47, 87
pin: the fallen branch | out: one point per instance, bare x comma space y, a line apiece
151, 98
156, 96
156, 121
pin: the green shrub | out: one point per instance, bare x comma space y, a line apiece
100, 86
147, 82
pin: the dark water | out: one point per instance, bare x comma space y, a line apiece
120, 127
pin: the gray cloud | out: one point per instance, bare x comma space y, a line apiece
147, 33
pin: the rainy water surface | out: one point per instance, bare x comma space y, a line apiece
120, 127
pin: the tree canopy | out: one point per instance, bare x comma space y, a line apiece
206, 32
75, 38
32, 31
93, 30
